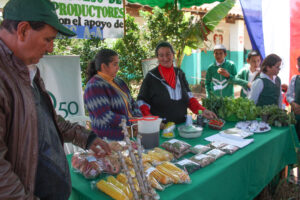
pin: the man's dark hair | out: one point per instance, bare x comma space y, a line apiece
253, 53
298, 59
12, 25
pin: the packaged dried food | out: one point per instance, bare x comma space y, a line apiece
111, 190
202, 159
216, 153
199, 148
188, 165
230, 149
176, 146
216, 145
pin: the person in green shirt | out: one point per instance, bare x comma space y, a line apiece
250, 72
220, 75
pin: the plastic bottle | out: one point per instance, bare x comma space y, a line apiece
200, 119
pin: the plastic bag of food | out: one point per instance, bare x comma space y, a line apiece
177, 174
90, 168
159, 176
78, 159
202, 159
216, 145
168, 131
200, 149
160, 155
188, 165
230, 149
110, 164
216, 153
124, 187
176, 146
111, 190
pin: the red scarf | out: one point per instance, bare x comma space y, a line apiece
168, 73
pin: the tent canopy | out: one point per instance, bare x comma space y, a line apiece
182, 3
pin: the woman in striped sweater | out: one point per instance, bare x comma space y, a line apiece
107, 97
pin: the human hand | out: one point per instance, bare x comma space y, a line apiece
249, 84
209, 114
100, 147
295, 108
223, 72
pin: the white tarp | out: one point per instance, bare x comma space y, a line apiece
62, 77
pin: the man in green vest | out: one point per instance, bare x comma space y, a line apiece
266, 90
249, 72
293, 96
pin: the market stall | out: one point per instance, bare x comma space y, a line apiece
241, 175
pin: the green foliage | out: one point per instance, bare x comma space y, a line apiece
172, 25
130, 49
276, 116
231, 109
131, 52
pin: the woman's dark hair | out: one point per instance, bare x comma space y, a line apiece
12, 25
163, 44
103, 56
270, 61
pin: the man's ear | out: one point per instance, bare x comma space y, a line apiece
22, 30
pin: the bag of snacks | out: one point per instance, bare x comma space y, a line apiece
216, 153
177, 147
230, 149
202, 159
188, 165
199, 149
216, 145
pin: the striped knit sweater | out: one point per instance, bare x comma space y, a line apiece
107, 108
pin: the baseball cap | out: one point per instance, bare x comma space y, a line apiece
220, 46
35, 10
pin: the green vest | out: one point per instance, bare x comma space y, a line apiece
270, 93
297, 93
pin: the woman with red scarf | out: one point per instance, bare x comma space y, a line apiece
165, 91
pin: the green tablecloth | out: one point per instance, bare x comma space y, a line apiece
234, 177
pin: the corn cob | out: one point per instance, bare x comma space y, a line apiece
159, 176
123, 179
111, 190
173, 168
169, 173
123, 187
